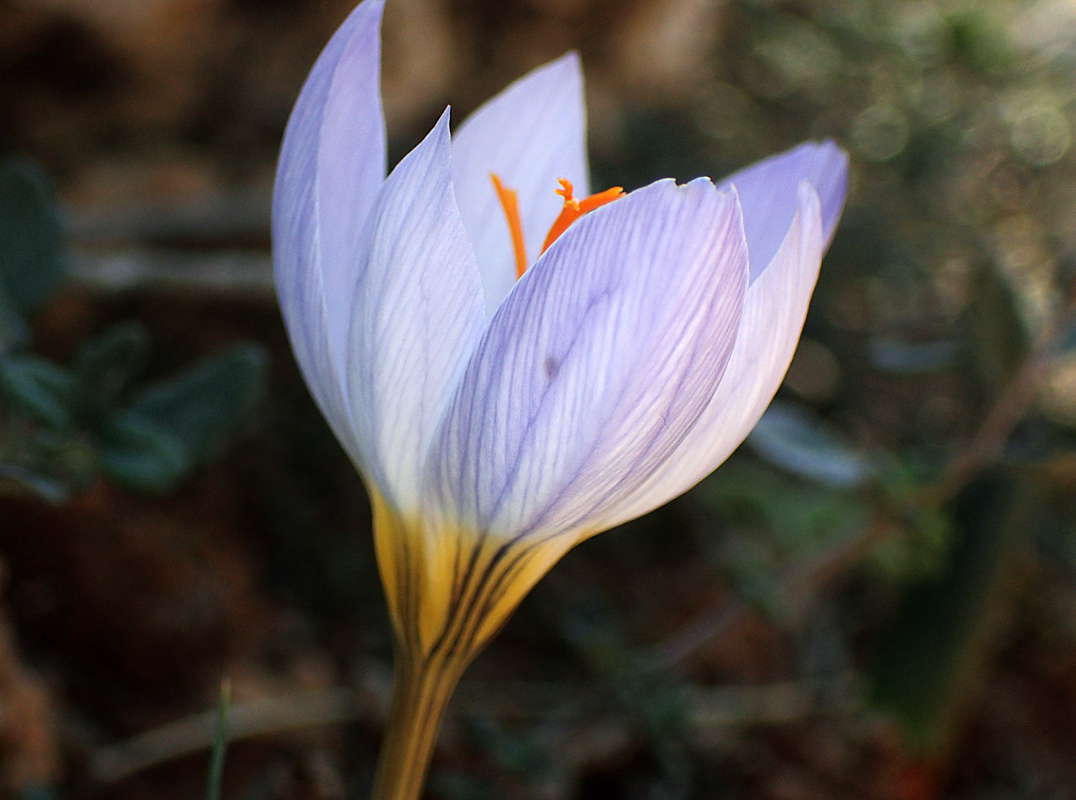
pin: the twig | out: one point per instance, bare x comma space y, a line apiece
989, 440
708, 709
245, 720
705, 706
240, 215
228, 272
715, 622
714, 707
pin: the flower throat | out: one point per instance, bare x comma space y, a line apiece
573, 209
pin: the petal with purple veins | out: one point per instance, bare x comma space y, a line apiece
595, 368
416, 314
332, 163
774, 311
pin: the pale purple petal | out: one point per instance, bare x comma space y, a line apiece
531, 134
768, 195
774, 311
417, 313
332, 163
596, 367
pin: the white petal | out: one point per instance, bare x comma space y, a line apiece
332, 163
417, 313
774, 311
531, 134
596, 367
768, 195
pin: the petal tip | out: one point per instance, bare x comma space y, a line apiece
443, 121
570, 61
373, 7
835, 156
832, 187
568, 68
365, 18
435, 145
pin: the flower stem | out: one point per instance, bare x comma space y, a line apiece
419, 698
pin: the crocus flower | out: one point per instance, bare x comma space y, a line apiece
513, 369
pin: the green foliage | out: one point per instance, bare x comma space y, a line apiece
205, 404
31, 238
220, 744
920, 548
797, 517
14, 332
997, 329
924, 532
139, 453
16, 479
931, 656
150, 440
656, 703
60, 426
775, 521
38, 792
107, 365
31, 248
38, 389
512, 753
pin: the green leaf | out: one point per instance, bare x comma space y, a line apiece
31, 236
220, 744
977, 37
38, 388
107, 365
930, 659
774, 522
14, 332
509, 750
998, 335
38, 791
799, 517
204, 405
25, 480
790, 437
142, 454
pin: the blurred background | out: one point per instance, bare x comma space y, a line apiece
874, 598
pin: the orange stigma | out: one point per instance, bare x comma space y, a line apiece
573, 210
510, 203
